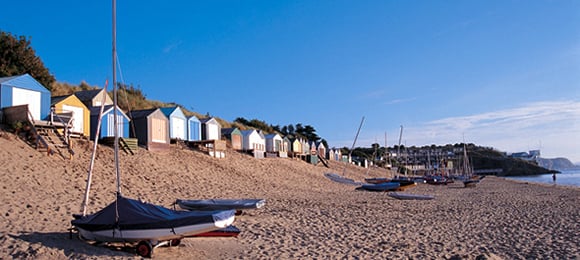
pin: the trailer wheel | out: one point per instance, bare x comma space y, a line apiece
144, 249
175, 242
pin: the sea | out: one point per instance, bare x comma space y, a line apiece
565, 177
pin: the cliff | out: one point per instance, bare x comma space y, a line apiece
490, 159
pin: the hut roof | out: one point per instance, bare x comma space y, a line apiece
142, 113
229, 131
87, 95
57, 99
167, 111
207, 119
23, 81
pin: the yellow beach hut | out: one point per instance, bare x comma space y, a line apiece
70, 108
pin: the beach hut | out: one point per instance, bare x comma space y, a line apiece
254, 142
295, 147
25, 90
233, 136
193, 129
94, 97
151, 128
285, 147
273, 144
313, 148
330, 154
321, 149
108, 122
70, 109
334, 154
177, 122
305, 147
210, 129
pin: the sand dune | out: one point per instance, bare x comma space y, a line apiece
306, 215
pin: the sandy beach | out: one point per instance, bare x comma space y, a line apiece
306, 215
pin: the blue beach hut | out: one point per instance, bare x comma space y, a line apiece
108, 122
177, 122
193, 129
25, 90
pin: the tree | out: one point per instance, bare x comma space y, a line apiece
17, 57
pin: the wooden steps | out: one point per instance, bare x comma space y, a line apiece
129, 145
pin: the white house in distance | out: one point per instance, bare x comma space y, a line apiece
254, 142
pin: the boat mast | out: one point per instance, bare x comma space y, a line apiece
93, 154
115, 109
353, 144
399, 150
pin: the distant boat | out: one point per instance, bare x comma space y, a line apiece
407, 196
403, 183
469, 180
437, 180
377, 180
221, 204
341, 179
385, 186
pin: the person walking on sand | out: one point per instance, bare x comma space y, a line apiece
554, 177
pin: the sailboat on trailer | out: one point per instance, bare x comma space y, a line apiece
132, 221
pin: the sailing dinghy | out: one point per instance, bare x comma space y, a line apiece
129, 220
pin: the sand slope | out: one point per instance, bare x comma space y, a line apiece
306, 215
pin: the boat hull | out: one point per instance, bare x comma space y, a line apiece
221, 204
407, 196
386, 186
160, 234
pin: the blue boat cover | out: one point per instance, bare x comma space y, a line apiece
134, 214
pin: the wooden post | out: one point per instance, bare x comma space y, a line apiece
214, 149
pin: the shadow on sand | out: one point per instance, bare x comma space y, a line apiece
74, 247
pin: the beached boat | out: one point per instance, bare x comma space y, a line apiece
408, 196
377, 180
385, 186
130, 221
469, 180
221, 204
403, 183
341, 179
437, 180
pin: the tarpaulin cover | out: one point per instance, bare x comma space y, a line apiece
134, 214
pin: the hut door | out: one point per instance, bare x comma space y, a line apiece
194, 131
212, 132
78, 113
177, 128
27, 97
158, 130
237, 142
111, 125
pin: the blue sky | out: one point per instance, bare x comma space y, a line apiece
504, 74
